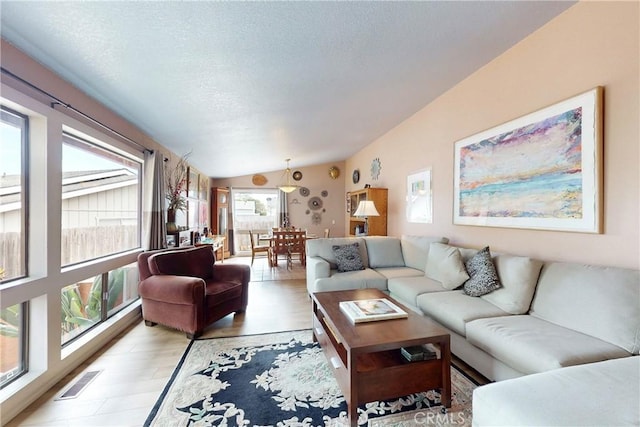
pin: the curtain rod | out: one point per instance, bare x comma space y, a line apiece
58, 101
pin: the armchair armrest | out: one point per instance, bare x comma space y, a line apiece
232, 273
172, 289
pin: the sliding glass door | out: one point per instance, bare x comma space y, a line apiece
253, 209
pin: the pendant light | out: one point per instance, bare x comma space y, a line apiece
286, 185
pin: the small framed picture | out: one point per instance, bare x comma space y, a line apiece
171, 240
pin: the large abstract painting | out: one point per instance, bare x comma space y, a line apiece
541, 171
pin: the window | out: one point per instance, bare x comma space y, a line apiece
122, 287
12, 343
100, 201
81, 307
13, 195
88, 302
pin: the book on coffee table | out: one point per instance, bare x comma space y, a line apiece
371, 309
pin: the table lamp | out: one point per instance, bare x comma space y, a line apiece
366, 208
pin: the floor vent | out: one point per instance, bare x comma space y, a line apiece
82, 382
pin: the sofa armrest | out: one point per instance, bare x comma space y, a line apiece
317, 268
232, 273
172, 289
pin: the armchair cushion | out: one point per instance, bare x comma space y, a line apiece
194, 262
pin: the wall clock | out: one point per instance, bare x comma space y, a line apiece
356, 176
375, 168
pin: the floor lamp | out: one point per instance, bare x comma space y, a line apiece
366, 208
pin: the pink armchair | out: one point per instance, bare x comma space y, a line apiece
185, 289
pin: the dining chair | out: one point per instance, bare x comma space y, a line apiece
287, 244
257, 248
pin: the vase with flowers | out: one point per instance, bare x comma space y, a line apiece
175, 181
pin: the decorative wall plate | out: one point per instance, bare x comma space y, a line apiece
375, 168
356, 176
315, 203
334, 172
297, 175
259, 179
324, 193
304, 191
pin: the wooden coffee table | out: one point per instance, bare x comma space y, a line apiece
366, 356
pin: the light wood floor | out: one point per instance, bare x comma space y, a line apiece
139, 362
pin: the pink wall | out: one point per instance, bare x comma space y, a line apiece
591, 44
316, 179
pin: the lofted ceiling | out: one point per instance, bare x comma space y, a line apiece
245, 85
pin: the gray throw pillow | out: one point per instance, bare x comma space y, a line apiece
483, 275
348, 257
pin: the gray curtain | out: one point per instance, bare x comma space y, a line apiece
284, 210
153, 222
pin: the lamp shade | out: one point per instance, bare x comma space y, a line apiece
366, 208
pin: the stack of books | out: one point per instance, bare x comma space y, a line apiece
420, 352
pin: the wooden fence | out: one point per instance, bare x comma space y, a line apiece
78, 244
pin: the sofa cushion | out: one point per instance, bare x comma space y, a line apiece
598, 301
596, 394
483, 276
453, 309
393, 272
384, 252
193, 262
531, 345
323, 248
407, 289
518, 276
415, 249
445, 265
348, 257
360, 279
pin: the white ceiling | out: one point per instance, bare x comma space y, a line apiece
244, 85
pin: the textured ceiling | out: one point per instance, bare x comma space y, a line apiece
244, 85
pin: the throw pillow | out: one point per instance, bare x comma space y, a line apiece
484, 277
348, 257
444, 264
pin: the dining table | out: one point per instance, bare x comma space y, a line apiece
288, 243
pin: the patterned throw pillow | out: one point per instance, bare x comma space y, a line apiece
484, 278
348, 257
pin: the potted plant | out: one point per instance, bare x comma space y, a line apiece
175, 181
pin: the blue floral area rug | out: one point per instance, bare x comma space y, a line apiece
284, 379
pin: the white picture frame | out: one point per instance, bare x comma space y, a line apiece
419, 206
541, 171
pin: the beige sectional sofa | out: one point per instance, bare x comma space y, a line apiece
545, 315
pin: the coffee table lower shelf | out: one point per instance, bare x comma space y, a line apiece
380, 375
